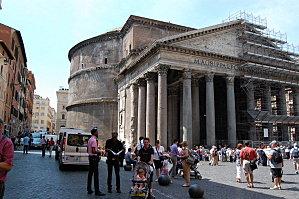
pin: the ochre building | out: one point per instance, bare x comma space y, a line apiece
220, 84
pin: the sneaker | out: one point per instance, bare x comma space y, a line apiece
109, 190
118, 191
297, 172
274, 188
156, 180
90, 192
99, 194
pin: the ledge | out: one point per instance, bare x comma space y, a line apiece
92, 101
86, 70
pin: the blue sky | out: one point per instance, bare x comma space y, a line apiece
51, 27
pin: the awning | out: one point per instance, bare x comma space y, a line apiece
265, 117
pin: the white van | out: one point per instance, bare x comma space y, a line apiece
72, 147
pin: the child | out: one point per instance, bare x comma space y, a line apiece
139, 177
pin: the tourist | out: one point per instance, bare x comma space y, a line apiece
114, 149
238, 162
51, 144
186, 167
262, 157
43, 142
129, 158
213, 156
25, 144
6, 161
93, 156
146, 154
294, 154
174, 157
276, 164
158, 154
248, 157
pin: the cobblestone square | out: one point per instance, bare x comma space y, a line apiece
37, 177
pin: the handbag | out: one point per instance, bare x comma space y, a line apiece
253, 166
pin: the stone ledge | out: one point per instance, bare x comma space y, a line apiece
91, 101
82, 71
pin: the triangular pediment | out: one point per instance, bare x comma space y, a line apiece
221, 39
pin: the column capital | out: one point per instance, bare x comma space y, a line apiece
195, 82
230, 79
162, 69
141, 82
187, 74
209, 77
150, 76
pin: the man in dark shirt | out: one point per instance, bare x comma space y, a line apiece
146, 154
114, 148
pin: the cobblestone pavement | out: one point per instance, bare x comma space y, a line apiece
37, 177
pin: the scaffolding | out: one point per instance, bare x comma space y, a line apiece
268, 59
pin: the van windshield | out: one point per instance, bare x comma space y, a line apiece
78, 140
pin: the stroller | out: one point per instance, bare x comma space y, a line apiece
167, 165
194, 167
140, 181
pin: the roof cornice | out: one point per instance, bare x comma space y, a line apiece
152, 22
103, 37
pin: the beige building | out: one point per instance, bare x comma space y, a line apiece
221, 84
43, 114
62, 100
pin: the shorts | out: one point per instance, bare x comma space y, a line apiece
246, 167
276, 172
158, 164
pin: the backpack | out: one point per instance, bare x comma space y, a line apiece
295, 152
277, 157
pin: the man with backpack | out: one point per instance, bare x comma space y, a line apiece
294, 154
276, 164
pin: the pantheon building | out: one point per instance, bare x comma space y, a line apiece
221, 84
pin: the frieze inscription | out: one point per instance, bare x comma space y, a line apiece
212, 63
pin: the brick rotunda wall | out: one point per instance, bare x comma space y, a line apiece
92, 90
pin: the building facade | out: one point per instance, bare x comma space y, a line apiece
220, 84
62, 101
5, 57
30, 88
43, 114
16, 113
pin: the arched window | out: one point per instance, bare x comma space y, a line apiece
63, 116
